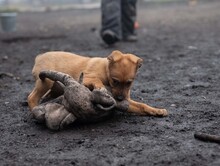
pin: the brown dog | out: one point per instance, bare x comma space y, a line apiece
117, 71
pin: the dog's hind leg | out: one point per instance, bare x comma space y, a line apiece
41, 87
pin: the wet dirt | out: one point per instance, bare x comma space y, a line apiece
180, 46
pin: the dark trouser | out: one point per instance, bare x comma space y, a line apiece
119, 16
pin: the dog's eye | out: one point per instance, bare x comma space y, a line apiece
128, 83
115, 82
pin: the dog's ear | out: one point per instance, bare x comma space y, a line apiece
81, 78
114, 56
136, 60
139, 63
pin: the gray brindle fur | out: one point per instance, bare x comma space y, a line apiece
76, 103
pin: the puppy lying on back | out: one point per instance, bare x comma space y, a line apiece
117, 71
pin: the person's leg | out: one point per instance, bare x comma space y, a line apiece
111, 21
128, 20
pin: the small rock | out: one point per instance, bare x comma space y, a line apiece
6, 74
24, 103
5, 57
80, 141
16, 78
143, 91
192, 48
195, 68
181, 55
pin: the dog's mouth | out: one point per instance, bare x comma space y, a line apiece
119, 97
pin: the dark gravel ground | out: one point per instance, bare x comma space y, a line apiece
180, 46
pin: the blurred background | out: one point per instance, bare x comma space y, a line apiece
12, 22
42, 5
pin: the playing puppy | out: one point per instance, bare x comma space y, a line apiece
117, 71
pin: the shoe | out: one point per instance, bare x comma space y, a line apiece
109, 37
130, 38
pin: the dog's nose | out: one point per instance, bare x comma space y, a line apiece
120, 98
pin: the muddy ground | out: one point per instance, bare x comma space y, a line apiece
180, 46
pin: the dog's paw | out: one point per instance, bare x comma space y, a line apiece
162, 112
103, 90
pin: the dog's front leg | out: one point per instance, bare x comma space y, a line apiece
93, 83
144, 109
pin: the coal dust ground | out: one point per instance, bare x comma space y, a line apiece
180, 45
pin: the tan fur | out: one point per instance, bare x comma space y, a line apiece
117, 71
